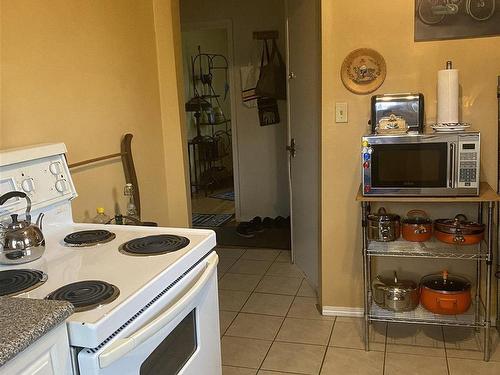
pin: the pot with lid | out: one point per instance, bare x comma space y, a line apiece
383, 226
445, 294
394, 294
22, 241
458, 231
417, 226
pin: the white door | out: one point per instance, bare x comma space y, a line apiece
304, 94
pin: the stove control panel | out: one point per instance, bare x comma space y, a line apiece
45, 180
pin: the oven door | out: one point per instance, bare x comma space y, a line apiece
181, 338
426, 167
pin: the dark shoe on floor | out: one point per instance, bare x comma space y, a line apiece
280, 222
257, 224
268, 222
245, 229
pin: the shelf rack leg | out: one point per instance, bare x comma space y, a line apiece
489, 263
477, 316
366, 274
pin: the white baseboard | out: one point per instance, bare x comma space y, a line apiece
354, 312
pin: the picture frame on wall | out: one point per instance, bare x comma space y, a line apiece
456, 19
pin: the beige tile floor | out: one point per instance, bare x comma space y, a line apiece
270, 325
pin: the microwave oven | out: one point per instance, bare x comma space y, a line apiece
433, 164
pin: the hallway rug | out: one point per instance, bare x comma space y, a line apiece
272, 238
227, 196
210, 220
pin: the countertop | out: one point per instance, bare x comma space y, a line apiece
24, 320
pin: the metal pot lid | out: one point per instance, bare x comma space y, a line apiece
459, 222
418, 217
395, 282
443, 282
382, 215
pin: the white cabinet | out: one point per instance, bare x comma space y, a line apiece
48, 355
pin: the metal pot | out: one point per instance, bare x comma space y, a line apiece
383, 227
417, 226
394, 294
22, 241
445, 294
459, 231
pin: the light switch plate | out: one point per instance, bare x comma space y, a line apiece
340, 112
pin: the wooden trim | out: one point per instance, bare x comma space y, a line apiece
94, 160
486, 194
266, 35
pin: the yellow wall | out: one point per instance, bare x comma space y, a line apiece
85, 73
411, 66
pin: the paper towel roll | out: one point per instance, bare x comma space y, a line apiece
448, 101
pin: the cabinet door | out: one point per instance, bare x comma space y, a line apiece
42, 366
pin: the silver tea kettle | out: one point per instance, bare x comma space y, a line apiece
21, 241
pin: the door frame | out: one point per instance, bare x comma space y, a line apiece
228, 26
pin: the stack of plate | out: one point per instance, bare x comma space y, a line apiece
451, 127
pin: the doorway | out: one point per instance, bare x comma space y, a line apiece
207, 66
268, 179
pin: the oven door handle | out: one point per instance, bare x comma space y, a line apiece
120, 347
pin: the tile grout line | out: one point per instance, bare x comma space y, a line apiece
445, 351
385, 347
327, 346
279, 329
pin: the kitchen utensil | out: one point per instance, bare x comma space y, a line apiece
394, 294
458, 231
445, 294
22, 241
417, 226
383, 227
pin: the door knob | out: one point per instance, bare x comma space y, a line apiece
291, 149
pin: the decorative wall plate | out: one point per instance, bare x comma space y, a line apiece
363, 71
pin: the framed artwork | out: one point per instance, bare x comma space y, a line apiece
456, 19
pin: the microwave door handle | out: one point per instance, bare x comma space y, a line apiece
120, 347
452, 166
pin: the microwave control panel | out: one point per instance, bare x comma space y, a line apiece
468, 163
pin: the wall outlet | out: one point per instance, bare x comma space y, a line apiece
340, 112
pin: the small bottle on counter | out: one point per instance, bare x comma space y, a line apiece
128, 191
101, 217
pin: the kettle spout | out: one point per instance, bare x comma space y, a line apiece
39, 220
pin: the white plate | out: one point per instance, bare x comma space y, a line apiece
449, 128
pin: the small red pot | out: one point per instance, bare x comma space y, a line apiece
417, 226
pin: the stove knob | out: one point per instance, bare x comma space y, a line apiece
55, 168
28, 185
61, 186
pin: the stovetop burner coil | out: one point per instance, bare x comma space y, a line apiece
86, 295
18, 281
89, 237
154, 245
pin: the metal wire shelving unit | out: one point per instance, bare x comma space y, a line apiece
479, 314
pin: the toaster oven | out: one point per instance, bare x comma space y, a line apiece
397, 109
437, 164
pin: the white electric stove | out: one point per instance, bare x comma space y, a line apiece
145, 297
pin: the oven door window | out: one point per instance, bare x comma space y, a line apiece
173, 353
415, 165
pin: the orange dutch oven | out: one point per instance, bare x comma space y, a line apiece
445, 294
417, 226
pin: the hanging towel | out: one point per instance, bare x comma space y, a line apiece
249, 78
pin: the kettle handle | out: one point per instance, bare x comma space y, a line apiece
12, 194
